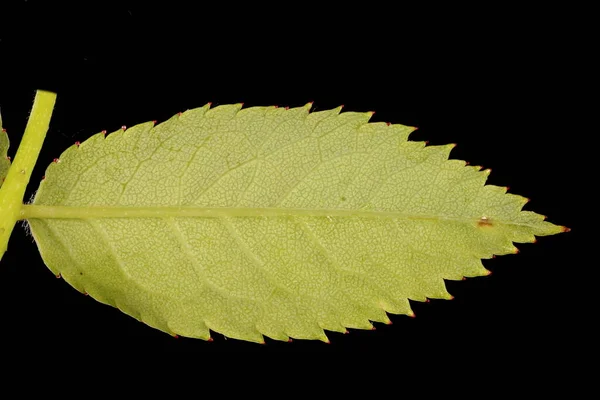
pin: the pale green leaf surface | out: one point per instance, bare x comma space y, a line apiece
322, 221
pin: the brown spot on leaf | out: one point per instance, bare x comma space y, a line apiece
484, 221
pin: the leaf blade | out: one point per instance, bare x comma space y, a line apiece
391, 220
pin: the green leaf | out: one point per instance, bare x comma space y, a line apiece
265, 221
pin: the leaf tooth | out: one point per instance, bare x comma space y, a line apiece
248, 334
275, 334
197, 331
190, 116
358, 323
223, 112
399, 306
334, 327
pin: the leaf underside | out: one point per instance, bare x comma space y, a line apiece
403, 218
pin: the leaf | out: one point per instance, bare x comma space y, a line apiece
4, 160
265, 221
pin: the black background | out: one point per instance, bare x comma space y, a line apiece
503, 83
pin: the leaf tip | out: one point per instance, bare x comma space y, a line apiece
565, 229
412, 314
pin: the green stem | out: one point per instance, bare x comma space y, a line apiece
13, 188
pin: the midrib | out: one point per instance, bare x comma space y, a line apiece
29, 211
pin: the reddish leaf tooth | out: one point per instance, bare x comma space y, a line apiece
123, 127
56, 160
